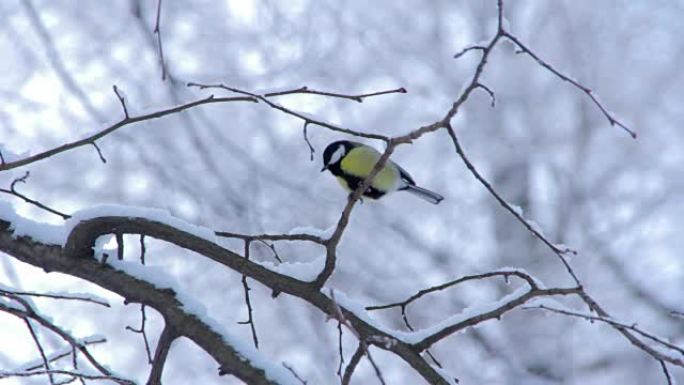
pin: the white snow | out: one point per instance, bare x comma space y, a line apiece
159, 278
68, 294
23, 227
304, 271
57, 234
536, 280
156, 215
535, 226
414, 337
308, 230
517, 209
467, 313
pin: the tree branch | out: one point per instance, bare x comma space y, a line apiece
124, 122
166, 338
79, 262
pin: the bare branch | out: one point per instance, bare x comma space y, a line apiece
157, 32
143, 332
290, 112
59, 355
666, 372
560, 253
167, 337
119, 245
339, 344
353, 363
334, 240
30, 313
294, 373
85, 376
468, 49
357, 98
124, 122
491, 94
338, 314
495, 313
621, 326
99, 152
46, 363
68, 297
122, 100
143, 249
273, 237
502, 273
13, 191
612, 120
248, 302
308, 142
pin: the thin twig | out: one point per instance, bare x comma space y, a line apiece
294, 373
271, 246
29, 312
468, 49
491, 94
308, 142
273, 237
612, 120
85, 376
157, 31
58, 356
143, 249
666, 372
13, 191
69, 297
122, 100
615, 324
560, 253
341, 352
357, 98
99, 152
290, 112
338, 314
46, 362
143, 332
500, 273
124, 122
248, 302
495, 313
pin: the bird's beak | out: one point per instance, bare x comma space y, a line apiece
325, 167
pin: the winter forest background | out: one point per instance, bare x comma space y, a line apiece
245, 167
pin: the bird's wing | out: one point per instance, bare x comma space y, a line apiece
405, 176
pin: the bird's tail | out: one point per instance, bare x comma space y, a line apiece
425, 194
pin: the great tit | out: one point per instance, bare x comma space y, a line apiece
352, 162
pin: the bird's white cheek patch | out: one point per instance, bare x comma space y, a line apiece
337, 155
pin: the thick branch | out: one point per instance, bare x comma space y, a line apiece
76, 260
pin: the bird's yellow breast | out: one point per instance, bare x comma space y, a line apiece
360, 162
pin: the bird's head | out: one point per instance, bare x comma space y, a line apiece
334, 153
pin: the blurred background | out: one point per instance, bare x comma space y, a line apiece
246, 168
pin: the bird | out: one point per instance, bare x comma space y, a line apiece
351, 162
